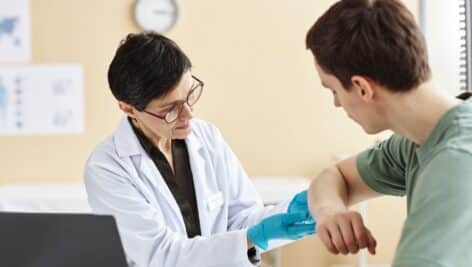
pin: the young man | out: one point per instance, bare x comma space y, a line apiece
372, 56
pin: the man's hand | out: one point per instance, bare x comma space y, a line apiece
344, 232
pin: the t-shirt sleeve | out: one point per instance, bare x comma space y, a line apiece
383, 166
437, 230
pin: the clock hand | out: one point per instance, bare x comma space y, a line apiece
162, 12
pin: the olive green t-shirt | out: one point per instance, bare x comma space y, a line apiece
436, 177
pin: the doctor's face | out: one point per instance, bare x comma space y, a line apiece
169, 116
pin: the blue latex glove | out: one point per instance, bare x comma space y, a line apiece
280, 226
299, 204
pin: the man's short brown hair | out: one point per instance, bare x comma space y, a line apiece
378, 39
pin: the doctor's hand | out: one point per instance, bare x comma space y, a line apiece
299, 204
344, 232
280, 226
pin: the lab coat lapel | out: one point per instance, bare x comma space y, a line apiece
149, 169
128, 145
200, 180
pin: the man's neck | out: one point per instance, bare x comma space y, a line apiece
415, 114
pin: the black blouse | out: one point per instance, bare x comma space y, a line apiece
181, 183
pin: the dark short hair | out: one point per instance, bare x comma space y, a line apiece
146, 66
378, 39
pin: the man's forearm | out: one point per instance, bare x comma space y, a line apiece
328, 193
331, 193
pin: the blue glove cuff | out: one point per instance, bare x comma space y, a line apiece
256, 235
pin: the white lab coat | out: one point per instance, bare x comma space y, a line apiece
122, 180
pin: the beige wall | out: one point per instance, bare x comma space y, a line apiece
261, 91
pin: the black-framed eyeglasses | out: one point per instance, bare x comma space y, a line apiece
174, 112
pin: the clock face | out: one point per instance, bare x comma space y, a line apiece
156, 15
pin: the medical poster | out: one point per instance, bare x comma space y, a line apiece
41, 99
15, 31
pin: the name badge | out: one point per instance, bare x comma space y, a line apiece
215, 201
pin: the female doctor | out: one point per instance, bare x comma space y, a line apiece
177, 191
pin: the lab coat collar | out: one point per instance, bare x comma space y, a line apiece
126, 142
193, 143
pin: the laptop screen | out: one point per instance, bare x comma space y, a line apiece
59, 240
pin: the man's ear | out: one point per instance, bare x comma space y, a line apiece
364, 88
127, 108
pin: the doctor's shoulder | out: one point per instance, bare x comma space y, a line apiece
104, 159
103, 150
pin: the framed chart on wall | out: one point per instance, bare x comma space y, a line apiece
447, 29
